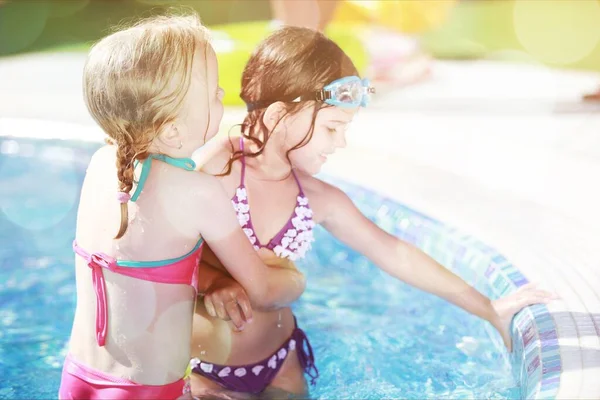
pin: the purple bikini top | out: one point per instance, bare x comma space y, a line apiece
294, 239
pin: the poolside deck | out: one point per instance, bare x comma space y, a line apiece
505, 153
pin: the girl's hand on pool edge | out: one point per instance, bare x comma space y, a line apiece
508, 306
226, 299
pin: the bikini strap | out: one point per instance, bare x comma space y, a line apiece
97, 262
184, 163
300, 191
306, 355
243, 159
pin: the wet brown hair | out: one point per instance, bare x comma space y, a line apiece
289, 63
135, 81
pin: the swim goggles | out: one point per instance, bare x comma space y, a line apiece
347, 92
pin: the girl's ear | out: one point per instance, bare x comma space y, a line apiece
273, 115
170, 136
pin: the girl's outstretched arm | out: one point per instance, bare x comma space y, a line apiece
340, 216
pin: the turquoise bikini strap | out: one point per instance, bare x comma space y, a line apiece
154, 264
184, 163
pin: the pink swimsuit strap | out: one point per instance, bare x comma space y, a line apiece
183, 270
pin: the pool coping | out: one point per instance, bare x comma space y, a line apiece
535, 360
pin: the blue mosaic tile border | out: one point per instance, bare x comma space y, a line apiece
535, 359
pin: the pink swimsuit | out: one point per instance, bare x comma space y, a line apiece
82, 382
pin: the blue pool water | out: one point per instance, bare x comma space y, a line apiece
374, 337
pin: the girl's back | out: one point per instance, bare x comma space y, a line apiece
146, 310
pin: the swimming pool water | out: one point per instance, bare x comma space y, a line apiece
374, 337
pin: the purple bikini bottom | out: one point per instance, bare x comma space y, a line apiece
254, 378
